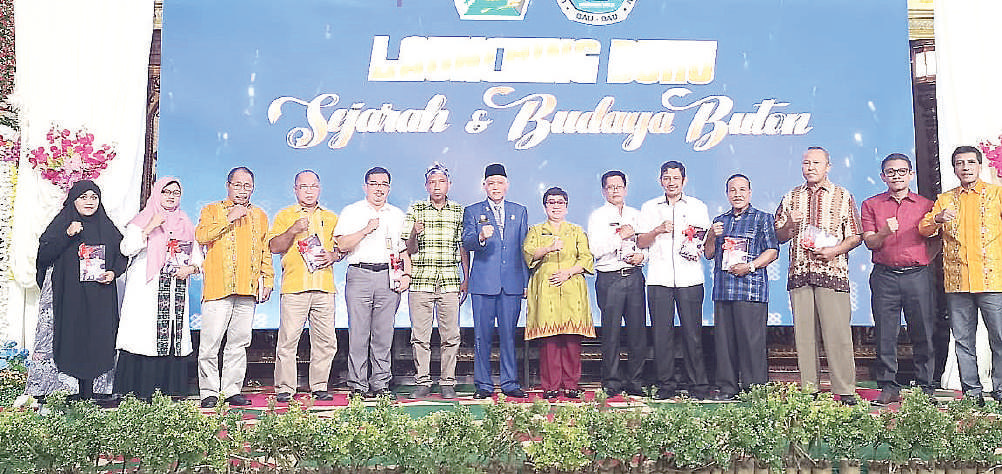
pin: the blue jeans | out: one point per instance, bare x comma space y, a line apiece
964, 324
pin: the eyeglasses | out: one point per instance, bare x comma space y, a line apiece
892, 172
614, 187
550, 202
169, 192
308, 187
378, 185
244, 186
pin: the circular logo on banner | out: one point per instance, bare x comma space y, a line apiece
596, 12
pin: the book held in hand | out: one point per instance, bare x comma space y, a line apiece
735, 252
91, 262
178, 255
692, 243
312, 251
814, 238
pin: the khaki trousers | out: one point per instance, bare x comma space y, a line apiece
424, 306
826, 313
317, 307
233, 317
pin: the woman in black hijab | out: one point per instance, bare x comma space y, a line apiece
85, 313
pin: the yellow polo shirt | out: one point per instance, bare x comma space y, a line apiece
295, 277
237, 254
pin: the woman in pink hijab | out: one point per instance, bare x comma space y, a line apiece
154, 339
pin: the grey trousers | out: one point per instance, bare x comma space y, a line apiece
371, 308
964, 324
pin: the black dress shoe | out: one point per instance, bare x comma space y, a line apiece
238, 400
634, 391
725, 397
517, 393
551, 394
322, 396
572, 394
847, 400
665, 394
482, 394
383, 392
357, 392
978, 399
887, 397
699, 395
997, 395
611, 392
283, 397
209, 402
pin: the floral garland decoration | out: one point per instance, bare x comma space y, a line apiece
10, 151
993, 151
70, 157
6, 47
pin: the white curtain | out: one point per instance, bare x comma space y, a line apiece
969, 102
80, 63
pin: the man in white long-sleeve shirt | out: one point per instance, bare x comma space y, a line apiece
619, 286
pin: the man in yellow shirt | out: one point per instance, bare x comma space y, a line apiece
303, 234
969, 219
238, 275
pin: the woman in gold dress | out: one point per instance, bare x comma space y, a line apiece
559, 314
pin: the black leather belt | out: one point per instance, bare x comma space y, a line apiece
900, 270
372, 267
623, 272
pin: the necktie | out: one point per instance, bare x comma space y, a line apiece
499, 217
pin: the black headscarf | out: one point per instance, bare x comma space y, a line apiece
85, 314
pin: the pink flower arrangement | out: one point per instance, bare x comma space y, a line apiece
70, 157
993, 151
10, 149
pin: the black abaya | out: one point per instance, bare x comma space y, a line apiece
85, 313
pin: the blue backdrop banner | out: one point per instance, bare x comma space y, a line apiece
560, 91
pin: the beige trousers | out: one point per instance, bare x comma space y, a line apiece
424, 306
826, 313
317, 307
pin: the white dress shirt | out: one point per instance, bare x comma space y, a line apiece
667, 266
603, 240
375, 247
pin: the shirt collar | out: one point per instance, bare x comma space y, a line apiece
747, 211
664, 199
827, 185
303, 209
979, 187
889, 197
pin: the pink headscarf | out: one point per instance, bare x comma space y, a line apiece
176, 226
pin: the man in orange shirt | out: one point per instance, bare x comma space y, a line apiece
238, 275
303, 234
969, 219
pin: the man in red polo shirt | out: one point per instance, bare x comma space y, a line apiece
901, 278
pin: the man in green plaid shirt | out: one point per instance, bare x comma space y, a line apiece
433, 233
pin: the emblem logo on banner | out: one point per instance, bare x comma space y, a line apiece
596, 12
491, 9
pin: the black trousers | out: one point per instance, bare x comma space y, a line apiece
891, 292
739, 338
622, 298
662, 302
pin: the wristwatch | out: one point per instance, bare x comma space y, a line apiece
751, 266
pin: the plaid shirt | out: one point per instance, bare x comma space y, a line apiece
435, 267
759, 229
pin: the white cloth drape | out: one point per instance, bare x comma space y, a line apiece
969, 101
80, 63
